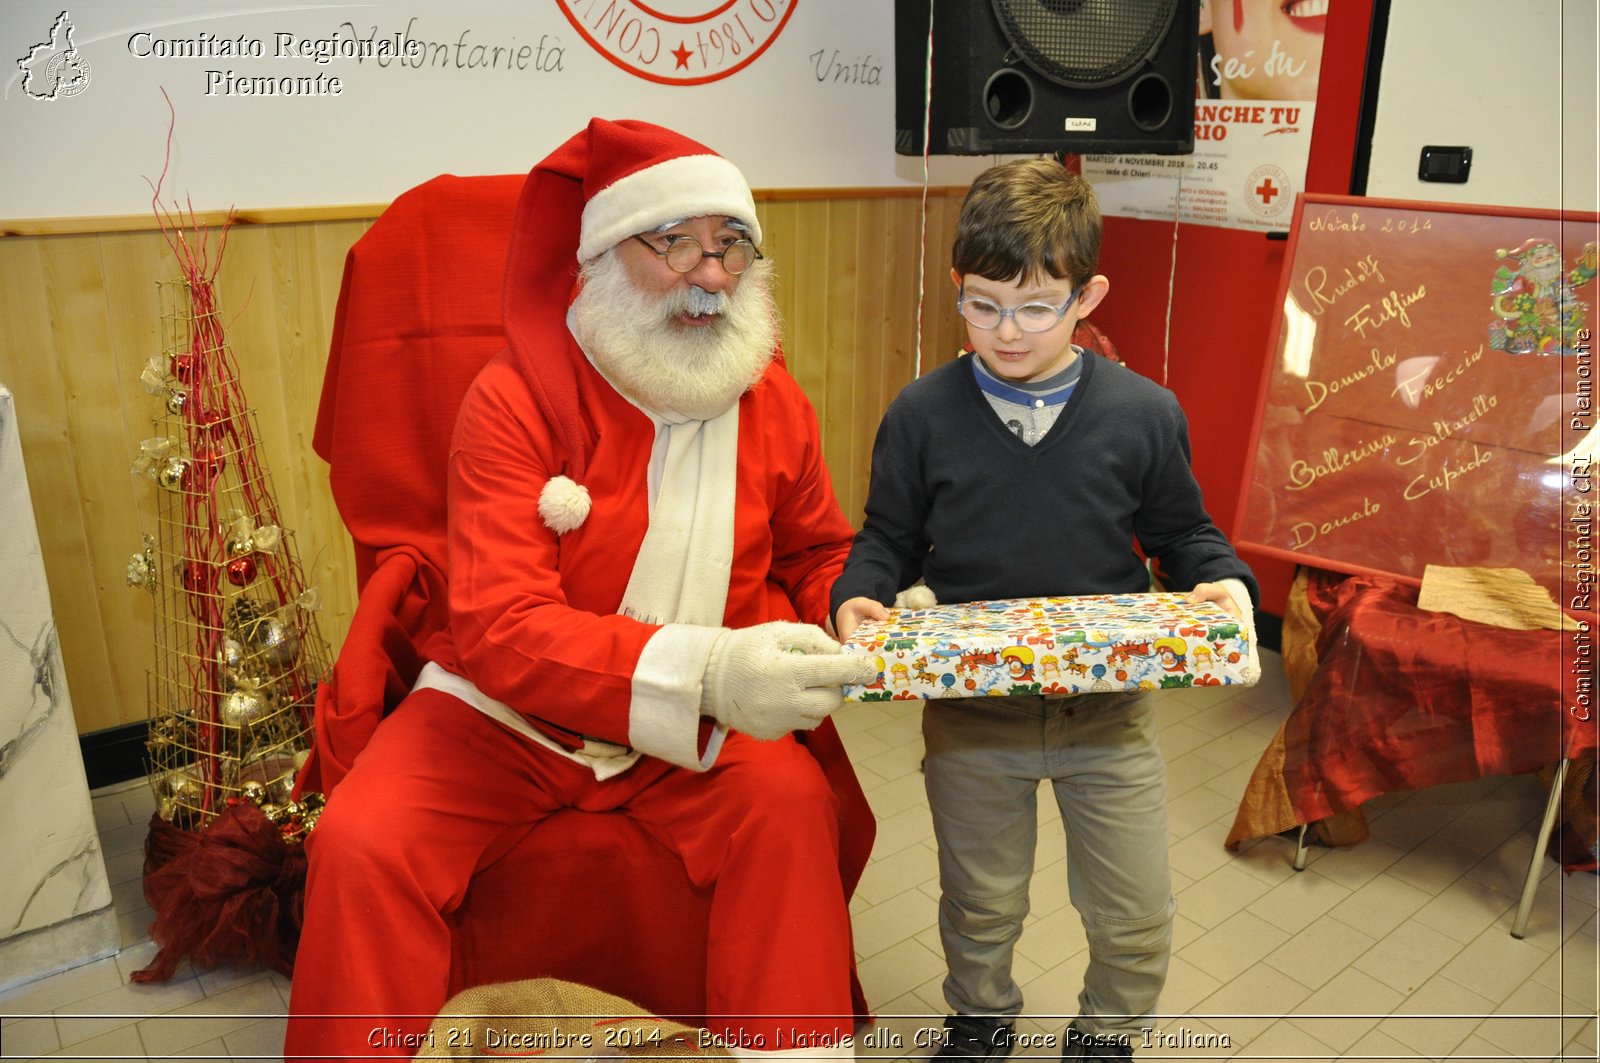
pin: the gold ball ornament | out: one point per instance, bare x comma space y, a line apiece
239, 707
276, 643
252, 792
172, 474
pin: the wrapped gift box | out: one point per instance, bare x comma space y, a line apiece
1060, 646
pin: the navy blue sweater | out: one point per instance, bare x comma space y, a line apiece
958, 499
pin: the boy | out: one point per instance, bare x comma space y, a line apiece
1029, 468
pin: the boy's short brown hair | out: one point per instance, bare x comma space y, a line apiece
1027, 218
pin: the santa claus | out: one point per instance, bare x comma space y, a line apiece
636, 494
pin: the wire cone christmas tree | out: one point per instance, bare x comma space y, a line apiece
238, 651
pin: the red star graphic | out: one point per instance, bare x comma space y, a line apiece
681, 54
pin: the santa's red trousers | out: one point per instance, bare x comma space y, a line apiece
443, 790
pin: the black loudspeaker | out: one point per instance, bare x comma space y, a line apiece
1036, 76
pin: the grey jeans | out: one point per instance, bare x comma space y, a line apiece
985, 759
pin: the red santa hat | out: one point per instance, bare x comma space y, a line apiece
611, 181
639, 176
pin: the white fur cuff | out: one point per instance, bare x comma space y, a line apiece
563, 504
916, 596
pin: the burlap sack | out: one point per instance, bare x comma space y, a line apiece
555, 1020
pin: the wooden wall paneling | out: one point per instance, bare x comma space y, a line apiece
901, 259
802, 262
839, 283
32, 334
901, 262
780, 242
86, 499
304, 325
868, 349
330, 564
132, 266
943, 332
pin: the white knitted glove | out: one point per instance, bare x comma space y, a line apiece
778, 677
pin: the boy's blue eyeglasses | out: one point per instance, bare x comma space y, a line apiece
683, 253
1030, 317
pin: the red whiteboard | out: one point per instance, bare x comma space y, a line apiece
1429, 398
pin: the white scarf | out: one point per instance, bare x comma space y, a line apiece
682, 570
680, 575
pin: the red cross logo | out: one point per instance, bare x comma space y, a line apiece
1267, 191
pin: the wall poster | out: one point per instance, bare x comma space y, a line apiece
1260, 61
1429, 398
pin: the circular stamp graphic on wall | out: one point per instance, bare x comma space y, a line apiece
1267, 190
679, 42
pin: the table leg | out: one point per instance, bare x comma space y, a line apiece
1519, 928
1300, 848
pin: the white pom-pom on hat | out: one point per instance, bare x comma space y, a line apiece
563, 504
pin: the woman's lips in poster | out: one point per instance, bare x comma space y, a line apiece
1308, 15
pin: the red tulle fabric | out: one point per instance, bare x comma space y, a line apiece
231, 894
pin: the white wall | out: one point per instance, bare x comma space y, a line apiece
814, 108
1517, 82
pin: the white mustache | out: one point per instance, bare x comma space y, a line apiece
696, 301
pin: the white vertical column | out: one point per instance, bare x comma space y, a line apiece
55, 900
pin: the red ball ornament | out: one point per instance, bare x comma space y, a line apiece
209, 412
199, 578
183, 367
242, 570
209, 461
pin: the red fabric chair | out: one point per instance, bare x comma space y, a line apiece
586, 897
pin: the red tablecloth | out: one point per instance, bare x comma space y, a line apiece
1402, 699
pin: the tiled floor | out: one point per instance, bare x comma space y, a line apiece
1396, 949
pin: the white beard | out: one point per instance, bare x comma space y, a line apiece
697, 372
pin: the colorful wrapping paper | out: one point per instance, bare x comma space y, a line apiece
1053, 646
